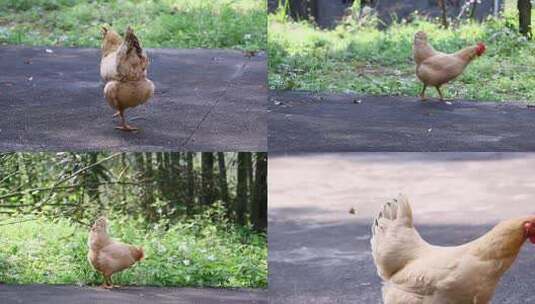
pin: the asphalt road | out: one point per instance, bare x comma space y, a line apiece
320, 253
57, 294
205, 100
306, 122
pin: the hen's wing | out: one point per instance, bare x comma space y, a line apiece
394, 240
440, 69
132, 62
116, 257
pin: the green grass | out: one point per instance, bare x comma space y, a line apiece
358, 58
239, 24
192, 253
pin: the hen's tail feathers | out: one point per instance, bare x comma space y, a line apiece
139, 254
133, 43
398, 210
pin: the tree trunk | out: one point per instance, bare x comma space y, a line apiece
91, 179
259, 202
473, 11
223, 185
123, 167
176, 184
190, 177
524, 17
145, 173
241, 189
207, 178
148, 193
444, 18
250, 178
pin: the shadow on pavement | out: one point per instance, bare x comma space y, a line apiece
331, 262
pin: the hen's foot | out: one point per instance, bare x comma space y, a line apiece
106, 286
127, 128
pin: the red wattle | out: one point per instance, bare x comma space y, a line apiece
532, 239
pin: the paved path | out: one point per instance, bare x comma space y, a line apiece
320, 253
205, 100
301, 121
52, 294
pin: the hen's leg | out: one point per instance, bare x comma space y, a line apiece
440, 93
107, 282
422, 94
124, 126
116, 114
111, 284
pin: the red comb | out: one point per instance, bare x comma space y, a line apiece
480, 48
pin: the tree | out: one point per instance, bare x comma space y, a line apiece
444, 17
190, 181
259, 202
207, 178
241, 189
223, 185
524, 17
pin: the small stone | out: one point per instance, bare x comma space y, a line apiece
49, 51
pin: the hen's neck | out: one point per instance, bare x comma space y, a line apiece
466, 54
100, 239
503, 242
423, 50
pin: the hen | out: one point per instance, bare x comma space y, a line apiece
416, 272
124, 67
435, 68
107, 255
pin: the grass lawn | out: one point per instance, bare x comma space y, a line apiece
238, 24
194, 253
356, 58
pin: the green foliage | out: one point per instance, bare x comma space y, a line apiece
202, 251
356, 57
151, 186
237, 24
